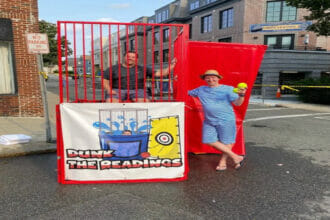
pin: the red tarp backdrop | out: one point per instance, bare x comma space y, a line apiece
236, 63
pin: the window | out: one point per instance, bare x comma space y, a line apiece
7, 85
194, 5
206, 24
190, 31
131, 29
227, 39
325, 74
162, 16
7, 68
158, 17
226, 18
165, 55
156, 57
280, 11
125, 46
284, 42
151, 21
156, 37
132, 44
209, 1
165, 35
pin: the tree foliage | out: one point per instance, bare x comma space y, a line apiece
320, 14
51, 30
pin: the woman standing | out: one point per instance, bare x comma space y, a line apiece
219, 126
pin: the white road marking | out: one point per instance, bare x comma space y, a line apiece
323, 118
283, 116
265, 109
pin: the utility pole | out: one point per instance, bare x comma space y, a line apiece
44, 98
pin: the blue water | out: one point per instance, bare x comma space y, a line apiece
104, 128
125, 147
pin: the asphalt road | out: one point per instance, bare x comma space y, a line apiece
287, 176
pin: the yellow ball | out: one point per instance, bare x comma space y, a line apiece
241, 85
235, 90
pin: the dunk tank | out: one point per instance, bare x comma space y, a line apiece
103, 140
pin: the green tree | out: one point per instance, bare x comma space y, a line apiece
320, 14
51, 30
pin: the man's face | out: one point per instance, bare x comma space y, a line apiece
130, 59
211, 80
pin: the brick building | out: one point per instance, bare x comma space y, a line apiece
20, 92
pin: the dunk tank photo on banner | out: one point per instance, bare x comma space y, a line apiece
123, 141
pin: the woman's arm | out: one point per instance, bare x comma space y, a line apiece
241, 94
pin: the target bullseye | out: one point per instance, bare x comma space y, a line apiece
164, 138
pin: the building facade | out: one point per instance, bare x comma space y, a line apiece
293, 52
20, 92
270, 22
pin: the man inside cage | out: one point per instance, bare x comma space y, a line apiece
127, 81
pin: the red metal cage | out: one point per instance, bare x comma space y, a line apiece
87, 49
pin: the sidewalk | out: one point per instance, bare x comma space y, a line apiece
31, 126
36, 127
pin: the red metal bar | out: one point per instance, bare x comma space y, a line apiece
75, 62
118, 23
136, 64
84, 62
60, 146
66, 65
101, 65
110, 63
127, 67
59, 59
169, 62
153, 63
161, 63
119, 64
144, 63
93, 68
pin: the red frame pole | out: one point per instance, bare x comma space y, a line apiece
66, 64
93, 62
161, 62
75, 62
101, 62
59, 58
119, 64
144, 63
169, 61
127, 67
110, 63
84, 62
153, 64
136, 63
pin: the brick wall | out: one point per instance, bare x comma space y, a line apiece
28, 100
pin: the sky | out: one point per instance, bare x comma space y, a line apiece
97, 10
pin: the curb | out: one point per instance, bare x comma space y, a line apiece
26, 149
311, 107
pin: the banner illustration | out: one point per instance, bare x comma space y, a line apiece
117, 139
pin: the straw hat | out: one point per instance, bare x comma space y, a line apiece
211, 73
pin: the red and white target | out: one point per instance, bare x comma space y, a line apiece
164, 138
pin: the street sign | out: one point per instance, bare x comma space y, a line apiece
37, 43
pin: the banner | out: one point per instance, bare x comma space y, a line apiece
105, 142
